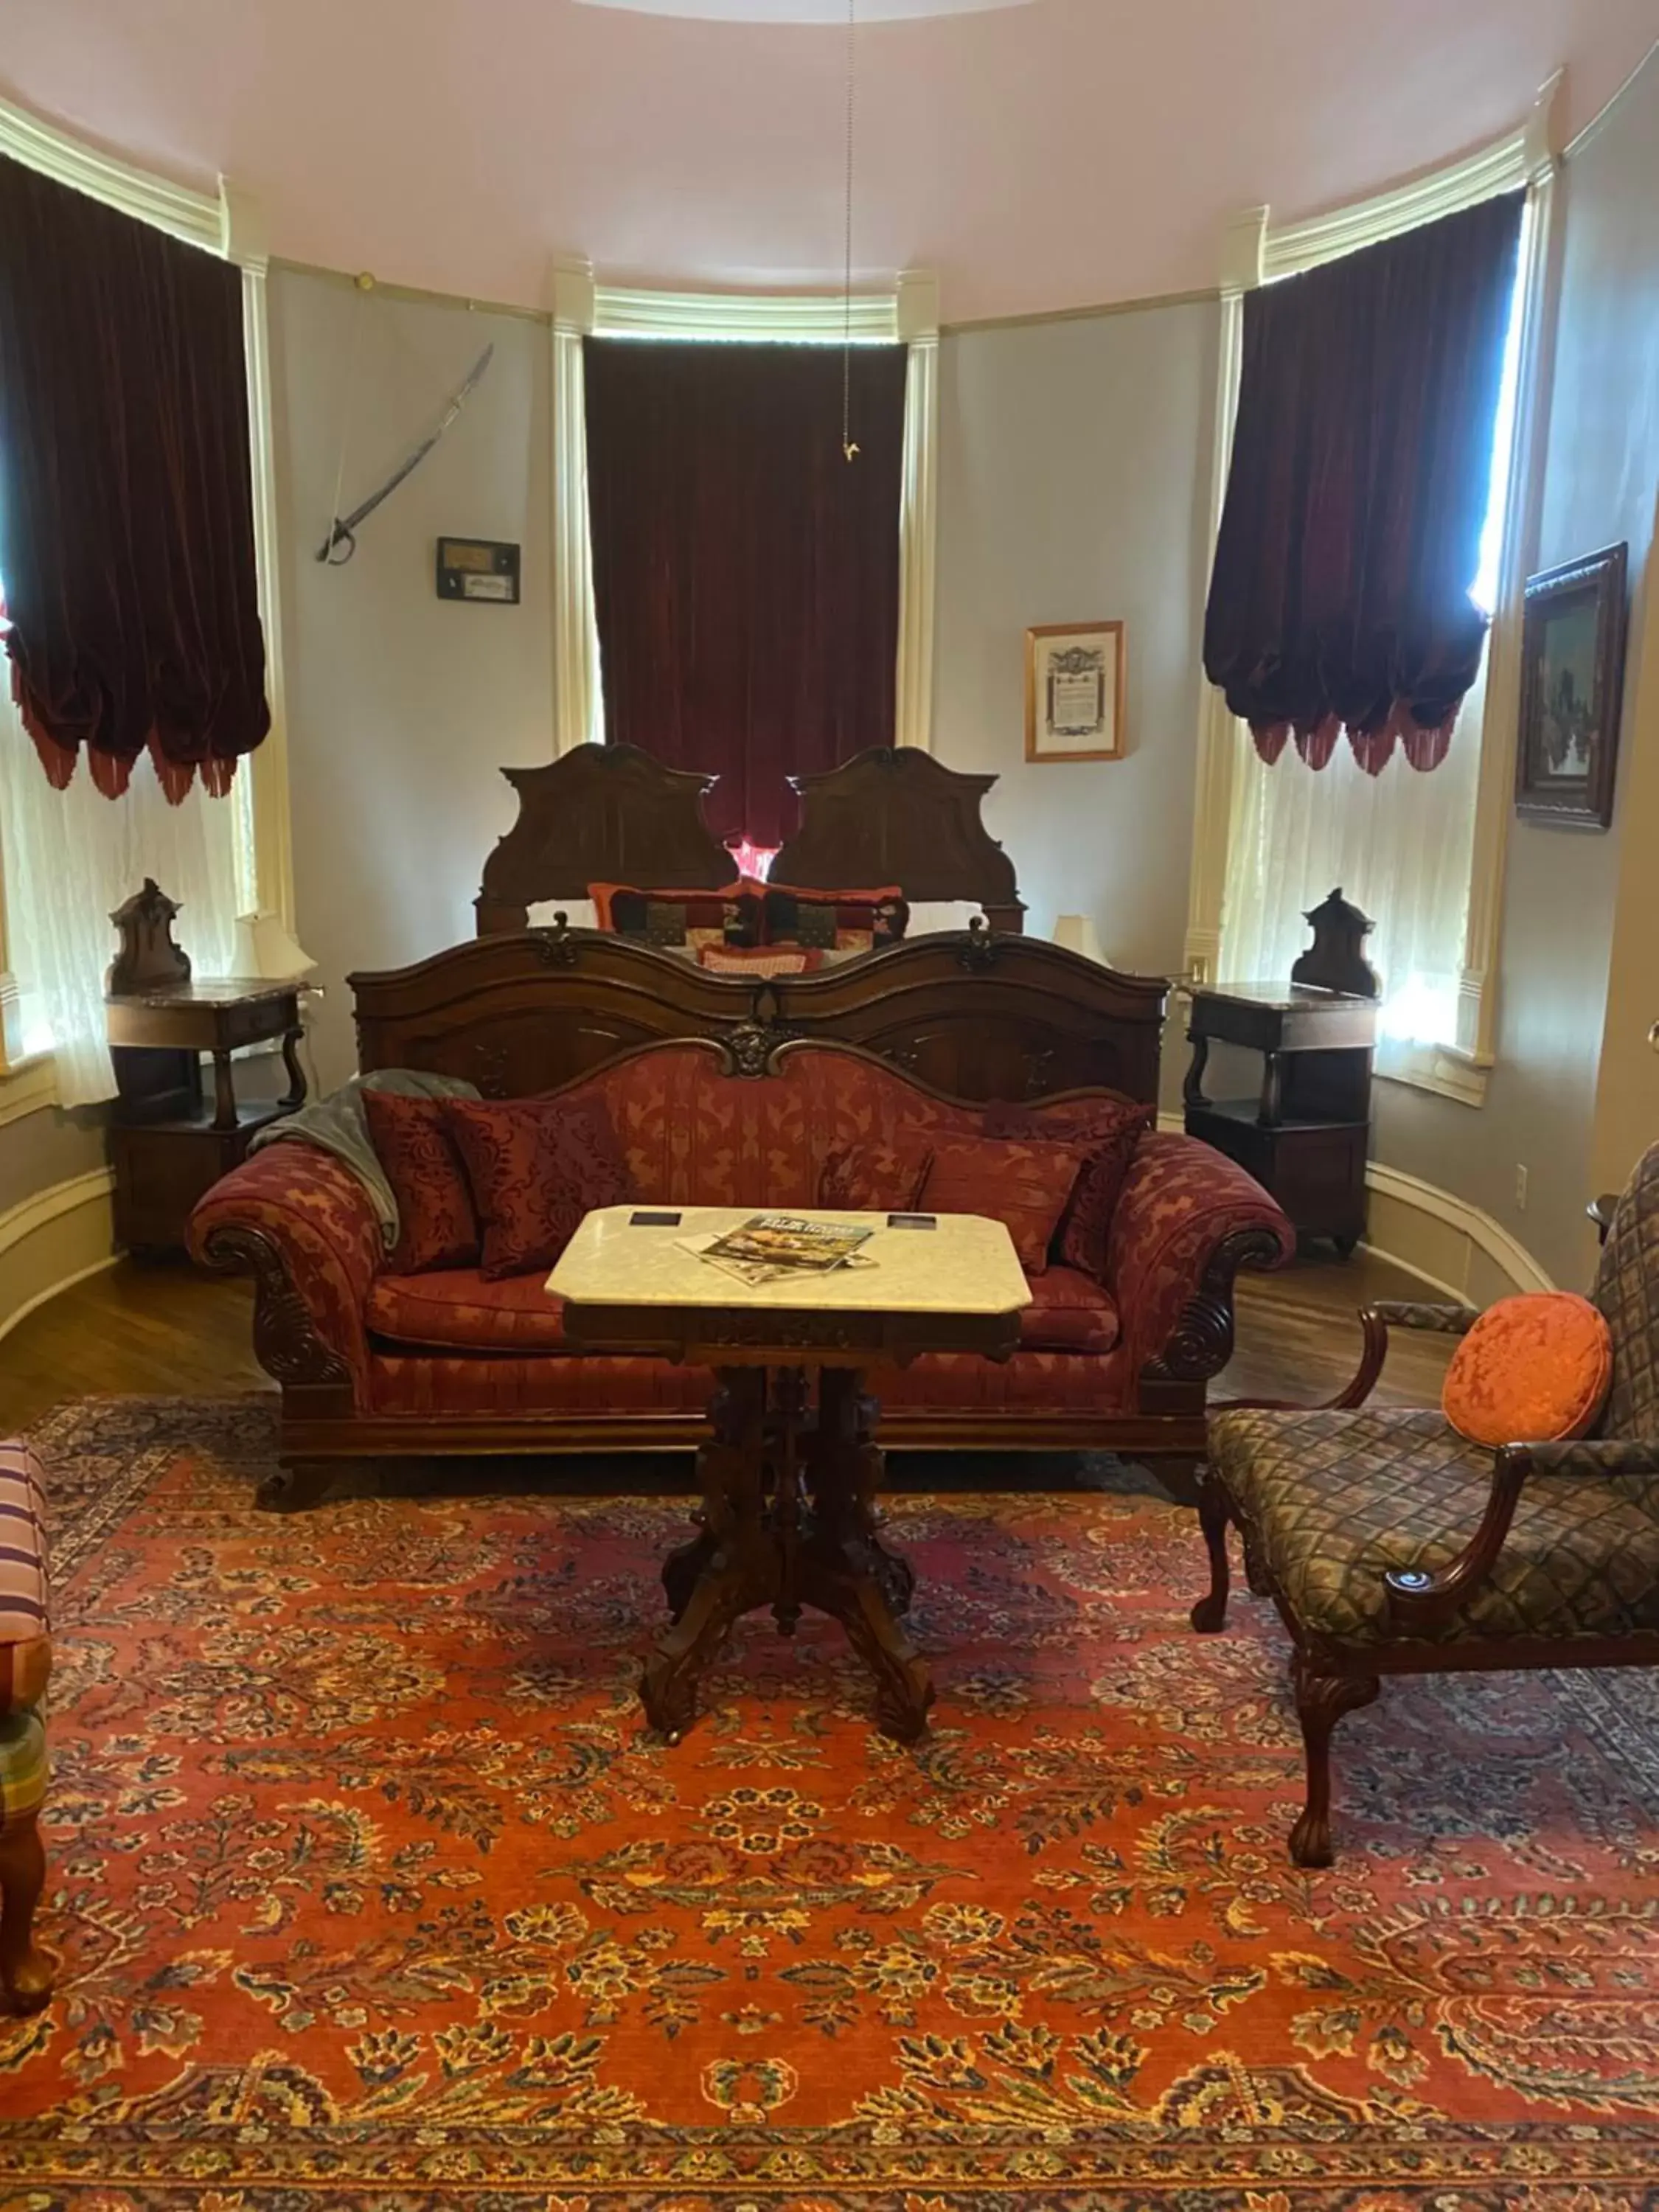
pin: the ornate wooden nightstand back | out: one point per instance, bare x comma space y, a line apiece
169, 1146
1305, 1135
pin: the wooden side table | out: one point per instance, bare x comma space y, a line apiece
169, 1146
790, 1473
1306, 1134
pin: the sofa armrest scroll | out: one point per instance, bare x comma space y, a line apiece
1187, 1219
298, 1221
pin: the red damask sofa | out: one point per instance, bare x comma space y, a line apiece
375, 1365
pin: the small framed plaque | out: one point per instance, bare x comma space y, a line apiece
482, 570
1075, 692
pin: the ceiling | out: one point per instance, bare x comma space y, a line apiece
1045, 154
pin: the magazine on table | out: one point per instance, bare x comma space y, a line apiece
774, 1246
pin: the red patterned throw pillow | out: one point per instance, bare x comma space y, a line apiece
437, 1224
537, 1165
1019, 1181
883, 1174
1108, 1129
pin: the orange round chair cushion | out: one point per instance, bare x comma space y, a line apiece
1532, 1369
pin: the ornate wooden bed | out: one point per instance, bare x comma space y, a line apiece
612, 814
981, 1013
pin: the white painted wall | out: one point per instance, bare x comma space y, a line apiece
402, 706
1070, 463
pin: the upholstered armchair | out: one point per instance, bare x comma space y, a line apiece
1391, 1544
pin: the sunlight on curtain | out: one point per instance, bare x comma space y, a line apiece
1401, 845
70, 858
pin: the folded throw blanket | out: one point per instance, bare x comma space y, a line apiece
339, 1125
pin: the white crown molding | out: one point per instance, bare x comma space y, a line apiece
800, 318
1508, 164
198, 218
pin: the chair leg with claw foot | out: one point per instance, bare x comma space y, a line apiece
1209, 1615
1320, 1702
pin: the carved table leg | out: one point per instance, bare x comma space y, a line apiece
1320, 1702
1192, 1087
25, 1972
845, 1434
224, 1092
1209, 1615
728, 1568
295, 1093
846, 1572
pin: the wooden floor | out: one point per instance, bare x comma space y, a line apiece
170, 1332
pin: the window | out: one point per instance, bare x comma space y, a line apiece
1401, 845
60, 874
69, 858
583, 308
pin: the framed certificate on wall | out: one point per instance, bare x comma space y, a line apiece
1074, 692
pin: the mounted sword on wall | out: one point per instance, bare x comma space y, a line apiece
338, 548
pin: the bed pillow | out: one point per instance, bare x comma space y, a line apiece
536, 1166
681, 920
1108, 1129
762, 960
834, 921
881, 1175
437, 1224
1023, 1183
1532, 1370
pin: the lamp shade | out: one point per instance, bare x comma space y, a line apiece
264, 949
1076, 932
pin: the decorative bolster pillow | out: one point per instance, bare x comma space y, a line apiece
682, 920
834, 921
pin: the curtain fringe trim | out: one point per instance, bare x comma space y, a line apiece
1425, 746
113, 772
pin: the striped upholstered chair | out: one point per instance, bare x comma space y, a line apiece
25, 1664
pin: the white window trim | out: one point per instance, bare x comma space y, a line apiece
908, 315
226, 223
1255, 251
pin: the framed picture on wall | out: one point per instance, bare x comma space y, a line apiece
1572, 668
1074, 692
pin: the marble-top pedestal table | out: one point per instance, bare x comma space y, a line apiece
790, 1473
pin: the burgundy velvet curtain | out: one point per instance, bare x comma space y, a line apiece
1361, 465
126, 519
745, 574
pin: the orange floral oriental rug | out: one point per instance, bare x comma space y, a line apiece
370, 1891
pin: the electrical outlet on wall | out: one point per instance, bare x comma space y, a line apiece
1520, 1189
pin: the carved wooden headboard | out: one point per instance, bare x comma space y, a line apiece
614, 814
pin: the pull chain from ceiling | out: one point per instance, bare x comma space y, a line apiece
849, 450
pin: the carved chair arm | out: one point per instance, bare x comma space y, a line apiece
1375, 1322
1420, 1602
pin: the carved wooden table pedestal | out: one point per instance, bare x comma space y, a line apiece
790, 1475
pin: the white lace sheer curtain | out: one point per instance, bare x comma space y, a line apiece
70, 858
1399, 845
